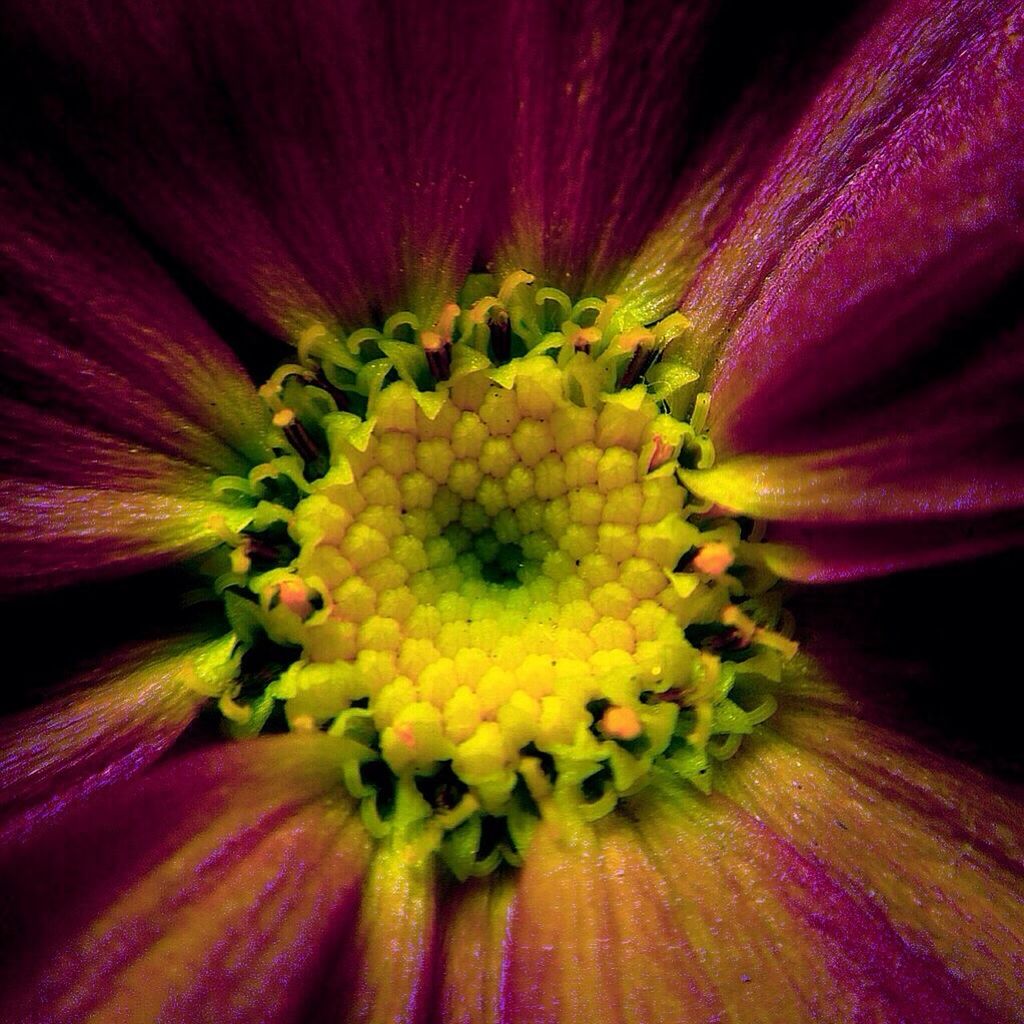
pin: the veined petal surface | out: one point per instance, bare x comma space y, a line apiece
205, 879
97, 334
346, 185
599, 91
107, 723
905, 165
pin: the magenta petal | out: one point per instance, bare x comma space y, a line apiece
52, 534
213, 888
599, 92
50, 446
781, 934
317, 160
928, 848
830, 554
867, 955
933, 476
106, 724
897, 197
595, 934
951, 449
386, 971
94, 332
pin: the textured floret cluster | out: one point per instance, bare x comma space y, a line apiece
493, 585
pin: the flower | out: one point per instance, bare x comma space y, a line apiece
489, 563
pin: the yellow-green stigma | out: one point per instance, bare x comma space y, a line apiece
473, 561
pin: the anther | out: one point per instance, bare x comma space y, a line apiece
437, 343
501, 337
663, 451
582, 339
730, 639
638, 365
438, 351
620, 723
256, 548
296, 434
292, 593
713, 558
743, 624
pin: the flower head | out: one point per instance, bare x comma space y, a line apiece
486, 703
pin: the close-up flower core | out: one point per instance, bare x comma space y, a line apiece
473, 560
503, 508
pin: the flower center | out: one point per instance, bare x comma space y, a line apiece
474, 562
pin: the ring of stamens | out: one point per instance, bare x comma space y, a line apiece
475, 563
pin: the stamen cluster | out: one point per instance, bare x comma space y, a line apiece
489, 580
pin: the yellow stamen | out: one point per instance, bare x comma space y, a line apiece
510, 284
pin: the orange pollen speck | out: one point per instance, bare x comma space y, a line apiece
662, 452
294, 596
621, 723
713, 558
284, 418
406, 735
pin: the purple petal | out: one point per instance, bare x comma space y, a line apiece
106, 724
94, 332
48, 445
53, 534
782, 934
316, 161
829, 554
897, 197
599, 97
954, 448
214, 888
927, 843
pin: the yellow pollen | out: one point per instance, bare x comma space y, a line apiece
446, 320
745, 626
